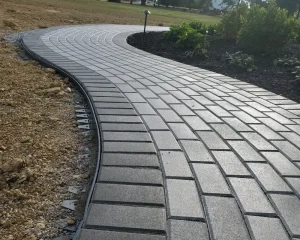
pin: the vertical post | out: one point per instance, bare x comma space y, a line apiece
146, 15
145, 23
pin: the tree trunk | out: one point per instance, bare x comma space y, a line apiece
298, 14
131, 1
143, 2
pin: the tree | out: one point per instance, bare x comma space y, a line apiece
143, 2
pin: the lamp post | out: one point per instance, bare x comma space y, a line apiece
146, 14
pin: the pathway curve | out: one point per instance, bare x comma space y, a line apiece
186, 153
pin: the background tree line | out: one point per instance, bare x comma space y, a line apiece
292, 6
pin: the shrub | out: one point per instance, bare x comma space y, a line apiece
186, 36
295, 26
231, 21
202, 28
197, 41
265, 30
177, 31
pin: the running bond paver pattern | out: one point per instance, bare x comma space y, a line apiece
186, 153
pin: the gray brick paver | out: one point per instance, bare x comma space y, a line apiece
269, 179
231, 164
288, 207
226, 132
250, 196
188, 230
196, 151
288, 149
126, 217
183, 199
126, 136
182, 131
130, 159
196, 123
258, 142
213, 141
130, 175
283, 165
129, 194
262, 228
225, 219
165, 140
246, 152
175, 164
210, 179
90, 234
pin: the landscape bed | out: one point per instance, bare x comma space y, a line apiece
277, 79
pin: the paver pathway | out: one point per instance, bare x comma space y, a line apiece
186, 153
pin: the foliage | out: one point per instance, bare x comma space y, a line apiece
194, 40
177, 31
190, 36
292, 63
241, 60
265, 30
231, 22
201, 27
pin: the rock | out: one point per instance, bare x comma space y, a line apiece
61, 93
68, 90
12, 166
73, 189
49, 70
10, 23
3, 148
5, 223
41, 225
55, 119
26, 174
69, 204
53, 90
25, 139
71, 222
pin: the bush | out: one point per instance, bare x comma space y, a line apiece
265, 30
231, 21
178, 31
197, 41
186, 36
202, 28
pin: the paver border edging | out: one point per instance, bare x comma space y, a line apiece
74, 80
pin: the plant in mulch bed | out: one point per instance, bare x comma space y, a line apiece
231, 22
292, 63
241, 61
265, 29
192, 36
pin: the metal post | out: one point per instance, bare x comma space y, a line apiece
145, 23
146, 15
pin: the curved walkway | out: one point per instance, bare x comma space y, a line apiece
186, 153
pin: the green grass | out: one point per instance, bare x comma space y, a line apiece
167, 16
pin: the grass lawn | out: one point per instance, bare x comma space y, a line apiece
45, 13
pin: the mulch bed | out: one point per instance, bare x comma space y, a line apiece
277, 79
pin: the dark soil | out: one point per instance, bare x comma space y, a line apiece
277, 79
